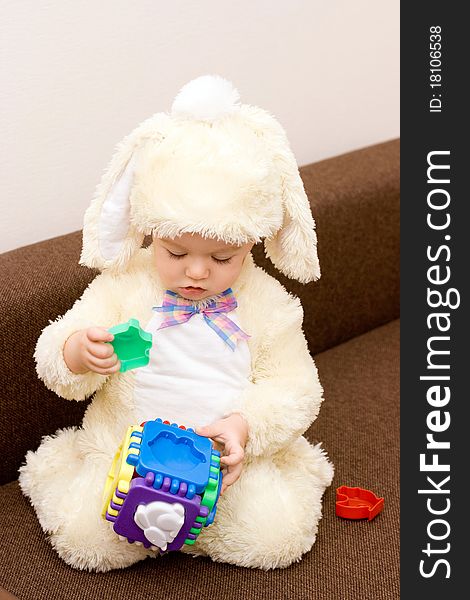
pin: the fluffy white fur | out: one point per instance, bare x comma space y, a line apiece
225, 171
206, 98
232, 177
284, 476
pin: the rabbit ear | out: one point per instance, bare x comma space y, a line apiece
115, 215
110, 237
293, 249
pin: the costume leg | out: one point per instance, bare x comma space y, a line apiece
269, 517
65, 487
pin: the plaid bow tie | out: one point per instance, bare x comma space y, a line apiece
176, 310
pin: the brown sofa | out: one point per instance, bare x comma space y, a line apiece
351, 322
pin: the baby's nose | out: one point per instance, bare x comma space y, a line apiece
197, 271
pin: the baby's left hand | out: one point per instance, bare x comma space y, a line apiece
232, 433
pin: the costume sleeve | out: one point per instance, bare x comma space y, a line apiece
96, 307
285, 394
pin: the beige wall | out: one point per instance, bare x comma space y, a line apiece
78, 76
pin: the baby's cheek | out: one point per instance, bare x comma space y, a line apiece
232, 274
167, 274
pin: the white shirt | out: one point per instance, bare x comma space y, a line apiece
193, 377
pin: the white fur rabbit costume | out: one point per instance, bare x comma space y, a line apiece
224, 170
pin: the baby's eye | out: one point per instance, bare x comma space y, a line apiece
173, 255
222, 260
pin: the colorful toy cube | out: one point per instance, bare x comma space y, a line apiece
163, 486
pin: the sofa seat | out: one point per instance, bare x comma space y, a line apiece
359, 428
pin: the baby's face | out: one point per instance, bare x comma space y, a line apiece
196, 267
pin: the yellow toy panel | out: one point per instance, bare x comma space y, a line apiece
121, 472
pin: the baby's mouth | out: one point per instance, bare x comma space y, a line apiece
192, 290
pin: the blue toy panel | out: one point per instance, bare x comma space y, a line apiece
180, 454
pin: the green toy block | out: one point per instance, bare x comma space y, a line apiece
132, 344
210, 496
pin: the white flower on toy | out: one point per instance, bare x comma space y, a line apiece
161, 522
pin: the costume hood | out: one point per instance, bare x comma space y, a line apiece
211, 166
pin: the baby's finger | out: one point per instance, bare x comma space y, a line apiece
231, 476
99, 334
218, 446
100, 350
234, 452
109, 371
107, 367
103, 363
211, 431
234, 458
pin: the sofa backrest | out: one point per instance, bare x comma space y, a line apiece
355, 201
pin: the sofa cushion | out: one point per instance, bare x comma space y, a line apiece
359, 428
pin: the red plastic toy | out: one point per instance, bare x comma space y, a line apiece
357, 503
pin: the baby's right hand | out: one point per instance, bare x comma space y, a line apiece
87, 350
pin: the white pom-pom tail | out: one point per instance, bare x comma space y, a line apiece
206, 98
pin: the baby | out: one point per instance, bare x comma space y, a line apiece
207, 181
195, 269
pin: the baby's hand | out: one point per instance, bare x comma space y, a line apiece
86, 350
232, 433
